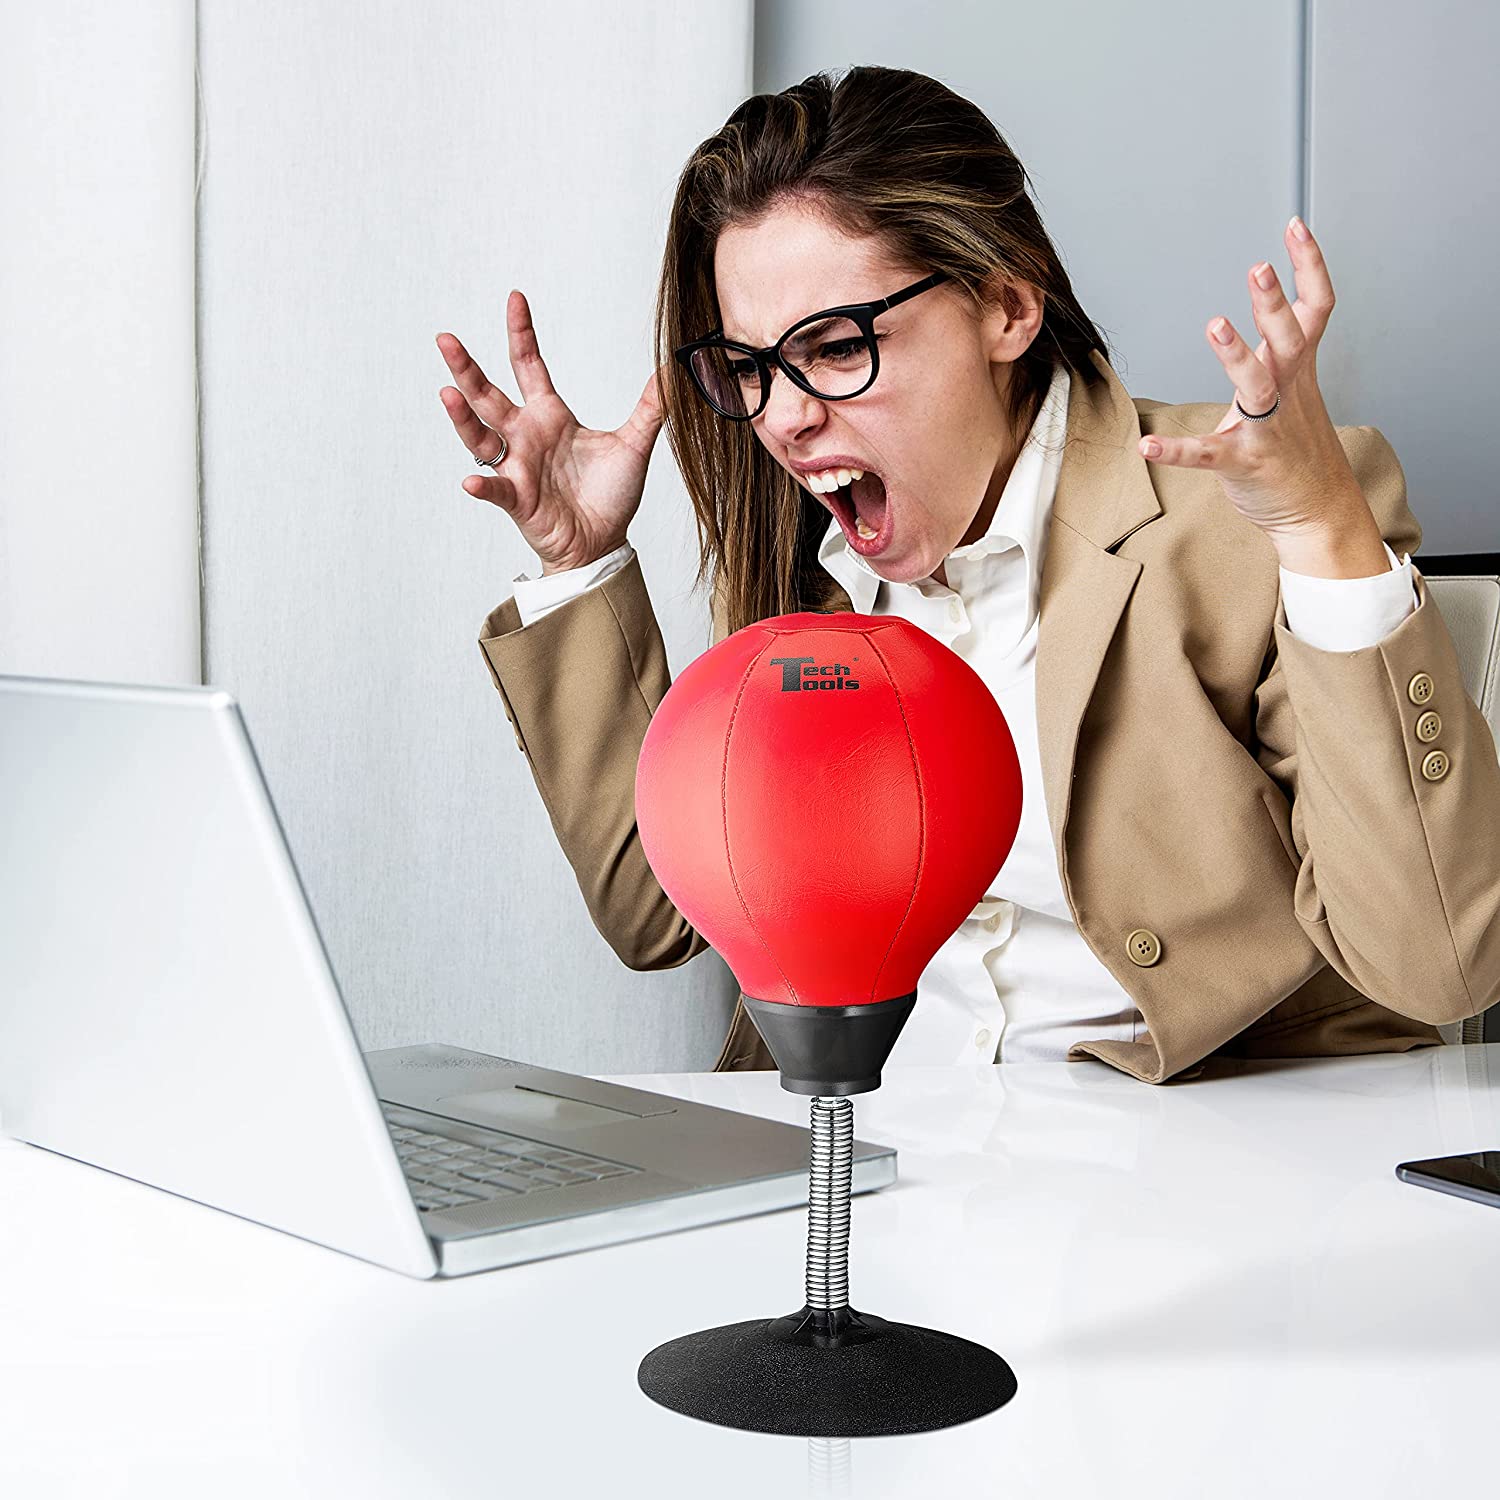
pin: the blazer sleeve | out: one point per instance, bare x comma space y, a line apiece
579, 687
1397, 838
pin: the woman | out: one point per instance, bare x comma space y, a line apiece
1259, 815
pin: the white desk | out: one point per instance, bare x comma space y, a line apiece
1214, 1289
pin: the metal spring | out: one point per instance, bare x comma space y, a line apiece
830, 1177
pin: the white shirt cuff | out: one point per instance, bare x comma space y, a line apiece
1348, 614
536, 597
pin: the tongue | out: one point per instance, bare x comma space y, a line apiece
868, 494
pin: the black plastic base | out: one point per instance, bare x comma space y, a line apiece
815, 1374
830, 1050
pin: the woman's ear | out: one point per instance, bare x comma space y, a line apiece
1012, 319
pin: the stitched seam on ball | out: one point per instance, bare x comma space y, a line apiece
832, 628
921, 814
724, 804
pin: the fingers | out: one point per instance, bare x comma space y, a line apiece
525, 356
480, 440
1254, 384
1274, 316
495, 488
486, 398
1315, 298
1184, 452
643, 424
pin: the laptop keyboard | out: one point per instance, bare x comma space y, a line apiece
444, 1171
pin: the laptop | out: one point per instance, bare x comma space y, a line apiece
168, 1012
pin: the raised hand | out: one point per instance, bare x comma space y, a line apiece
571, 490
1287, 473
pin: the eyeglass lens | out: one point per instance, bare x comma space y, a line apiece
833, 356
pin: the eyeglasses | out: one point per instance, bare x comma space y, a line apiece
833, 355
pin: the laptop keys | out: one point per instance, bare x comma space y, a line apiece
444, 1171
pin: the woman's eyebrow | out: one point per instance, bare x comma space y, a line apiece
741, 338
757, 343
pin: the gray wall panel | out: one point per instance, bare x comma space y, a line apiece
1170, 143
1161, 140
1402, 180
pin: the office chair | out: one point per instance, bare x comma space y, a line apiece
1466, 590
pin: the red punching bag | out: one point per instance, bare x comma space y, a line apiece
826, 797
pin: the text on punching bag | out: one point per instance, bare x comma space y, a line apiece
800, 674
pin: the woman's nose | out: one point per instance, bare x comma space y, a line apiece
789, 409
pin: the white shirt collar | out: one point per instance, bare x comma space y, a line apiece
1020, 518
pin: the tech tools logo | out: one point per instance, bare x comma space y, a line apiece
802, 674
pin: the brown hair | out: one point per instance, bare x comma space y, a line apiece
884, 152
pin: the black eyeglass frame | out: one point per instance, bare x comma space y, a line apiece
861, 313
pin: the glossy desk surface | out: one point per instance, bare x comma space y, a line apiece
1215, 1289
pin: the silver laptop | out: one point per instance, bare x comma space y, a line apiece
168, 1012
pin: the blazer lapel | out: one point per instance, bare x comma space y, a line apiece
1104, 493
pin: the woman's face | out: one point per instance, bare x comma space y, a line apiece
932, 426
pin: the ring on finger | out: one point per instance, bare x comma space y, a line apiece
1249, 415
495, 462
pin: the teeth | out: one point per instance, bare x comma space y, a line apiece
832, 479
829, 480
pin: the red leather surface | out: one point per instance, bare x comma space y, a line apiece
827, 839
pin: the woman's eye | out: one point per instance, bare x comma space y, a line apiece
849, 348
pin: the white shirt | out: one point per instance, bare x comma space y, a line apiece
1017, 982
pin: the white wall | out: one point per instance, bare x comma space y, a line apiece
98, 433
375, 173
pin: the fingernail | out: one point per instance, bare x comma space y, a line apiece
1221, 331
1151, 448
1300, 229
1263, 276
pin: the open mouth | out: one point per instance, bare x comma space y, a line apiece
863, 510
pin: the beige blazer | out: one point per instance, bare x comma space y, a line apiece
1251, 835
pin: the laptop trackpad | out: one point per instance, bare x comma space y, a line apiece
521, 1108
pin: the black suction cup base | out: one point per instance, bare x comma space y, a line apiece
795, 1377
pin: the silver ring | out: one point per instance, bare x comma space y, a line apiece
499, 458
1261, 417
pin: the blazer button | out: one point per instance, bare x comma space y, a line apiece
1435, 765
1420, 688
1429, 726
1143, 946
